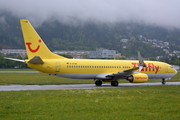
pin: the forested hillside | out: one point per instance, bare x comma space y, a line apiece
89, 36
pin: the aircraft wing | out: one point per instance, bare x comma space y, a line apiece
129, 72
14, 59
118, 75
123, 73
34, 60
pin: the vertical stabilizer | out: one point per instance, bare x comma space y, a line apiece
34, 44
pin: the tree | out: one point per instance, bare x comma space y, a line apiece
121, 58
67, 56
152, 58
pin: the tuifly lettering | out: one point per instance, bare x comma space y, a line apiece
149, 67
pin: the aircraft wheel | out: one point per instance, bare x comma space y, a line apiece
98, 82
163, 81
114, 83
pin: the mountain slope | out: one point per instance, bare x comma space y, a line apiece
90, 36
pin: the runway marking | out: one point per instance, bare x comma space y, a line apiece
75, 86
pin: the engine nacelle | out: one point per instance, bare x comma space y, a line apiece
138, 78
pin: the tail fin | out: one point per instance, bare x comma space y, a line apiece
34, 44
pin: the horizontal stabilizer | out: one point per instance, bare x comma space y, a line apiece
14, 59
36, 60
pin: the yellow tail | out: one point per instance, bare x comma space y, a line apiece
34, 44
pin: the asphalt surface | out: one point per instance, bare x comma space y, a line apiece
76, 86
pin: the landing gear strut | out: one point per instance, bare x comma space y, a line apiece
114, 83
98, 82
163, 81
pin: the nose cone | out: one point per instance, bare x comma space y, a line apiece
175, 71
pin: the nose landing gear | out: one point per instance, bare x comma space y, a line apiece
163, 81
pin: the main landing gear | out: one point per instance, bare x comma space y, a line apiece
163, 81
113, 83
98, 82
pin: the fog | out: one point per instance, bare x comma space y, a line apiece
165, 13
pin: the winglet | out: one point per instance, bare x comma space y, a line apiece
141, 61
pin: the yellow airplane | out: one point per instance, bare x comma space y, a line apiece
135, 71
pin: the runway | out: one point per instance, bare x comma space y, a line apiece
76, 86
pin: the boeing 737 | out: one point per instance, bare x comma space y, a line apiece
43, 60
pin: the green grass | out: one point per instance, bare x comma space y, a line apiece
38, 79
27, 69
137, 103
130, 103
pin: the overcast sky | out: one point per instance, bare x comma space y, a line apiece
159, 12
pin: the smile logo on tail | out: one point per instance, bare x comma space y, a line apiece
33, 50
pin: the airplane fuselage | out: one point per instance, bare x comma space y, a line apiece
98, 69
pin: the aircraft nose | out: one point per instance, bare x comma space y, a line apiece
175, 71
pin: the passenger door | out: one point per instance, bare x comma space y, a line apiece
57, 67
166, 68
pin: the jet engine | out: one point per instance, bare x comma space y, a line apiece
138, 78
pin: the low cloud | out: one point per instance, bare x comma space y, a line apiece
163, 13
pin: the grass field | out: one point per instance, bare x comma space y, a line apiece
37, 79
44, 79
130, 103
137, 103
28, 69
